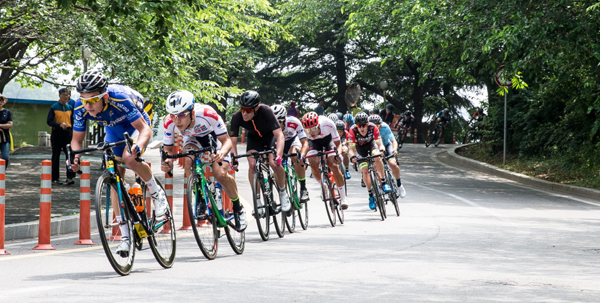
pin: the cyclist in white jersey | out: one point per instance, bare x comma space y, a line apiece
295, 142
322, 135
198, 124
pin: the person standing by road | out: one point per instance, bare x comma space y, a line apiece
293, 111
5, 124
320, 110
60, 119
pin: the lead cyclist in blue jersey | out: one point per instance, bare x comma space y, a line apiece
118, 108
391, 147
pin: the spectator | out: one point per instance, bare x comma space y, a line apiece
60, 118
320, 110
293, 111
388, 114
5, 124
375, 111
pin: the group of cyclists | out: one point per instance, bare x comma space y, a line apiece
343, 139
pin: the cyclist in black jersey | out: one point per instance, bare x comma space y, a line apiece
263, 133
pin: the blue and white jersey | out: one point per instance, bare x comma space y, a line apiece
125, 106
293, 127
386, 134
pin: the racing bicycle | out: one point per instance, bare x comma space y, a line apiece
330, 193
299, 209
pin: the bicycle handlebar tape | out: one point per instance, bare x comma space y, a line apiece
45, 208
187, 224
84, 205
2, 201
169, 193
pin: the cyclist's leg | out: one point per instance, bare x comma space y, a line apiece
253, 145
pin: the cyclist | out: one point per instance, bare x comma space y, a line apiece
405, 123
119, 109
349, 120
263, 133
198, 124
341, 130
364, 139
333, 117
391, 148
444, 117
322, 135
478, 115
295, 142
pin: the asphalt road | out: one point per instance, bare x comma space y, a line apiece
462, 237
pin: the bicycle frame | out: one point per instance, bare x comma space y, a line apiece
290, 173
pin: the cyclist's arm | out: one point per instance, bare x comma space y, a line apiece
338, 145
280, 141
395, 145
351, 150
145, 132
304, 148
234, 141
78, 137
225, 147
380, 144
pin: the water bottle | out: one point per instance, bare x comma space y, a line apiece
135, 192
218, 197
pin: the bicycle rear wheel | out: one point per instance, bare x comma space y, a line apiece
327, 198
378, 194
430, 138
236, 239
261, 208
204, 223
162, 240
303, 215
278, 217
108, 227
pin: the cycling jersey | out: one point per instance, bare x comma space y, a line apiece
444, 118
324, 140
262, 124
407, 123
386, 134
364, 144
293, 128
124, 106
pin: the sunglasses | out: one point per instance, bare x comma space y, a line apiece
361, 125
92, 100
180, 115
247, 110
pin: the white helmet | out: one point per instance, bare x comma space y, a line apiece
279, 112
333, 117
180, 101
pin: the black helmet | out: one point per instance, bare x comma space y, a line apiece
361, 118
408, 113
390, 107
339, 115
250, 99
91, 81
340, 125
375, 111
375, 119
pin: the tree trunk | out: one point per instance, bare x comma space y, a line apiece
340, 66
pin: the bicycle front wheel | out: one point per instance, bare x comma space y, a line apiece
109, 229
261, 208
292, 190
162, 240
394, 194
337, 202
378, 194
303, 215
204, 223
236, 239
328, 198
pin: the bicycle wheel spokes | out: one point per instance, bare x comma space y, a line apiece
328, 199
203, 222
303, 215
108, 227
378, 194
162, 240
261, 208
290, 216
278, 218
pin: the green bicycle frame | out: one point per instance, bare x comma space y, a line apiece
199, 170
288, 174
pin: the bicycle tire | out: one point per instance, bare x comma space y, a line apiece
278, 217
109, 226
378, 195
204, 223
328, 199
338, 209
236, 239
162, 240
303, 215
261, 209
394, 193
292, 189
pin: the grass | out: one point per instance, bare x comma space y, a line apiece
549, 169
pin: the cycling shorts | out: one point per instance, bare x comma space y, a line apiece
261, 143
292, 142
324, 144
389, 149
366, 149
200, 142
114, 134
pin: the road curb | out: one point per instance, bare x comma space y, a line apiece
59, 226
455, 159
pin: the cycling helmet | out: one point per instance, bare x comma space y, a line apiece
408, 113
250, 99
361, 118
390, 107
279, 112
333, 117
179, 101
91, 81
310, 119
375, 111
339, 115
446, 111
375, 119
340, 125
348, 118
